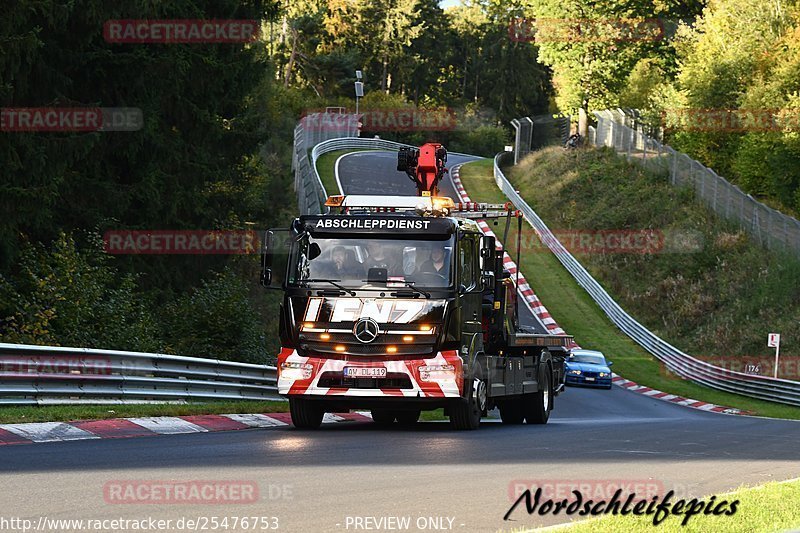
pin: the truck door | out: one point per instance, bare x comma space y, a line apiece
275, 258
470, 290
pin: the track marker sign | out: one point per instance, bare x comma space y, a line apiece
774, 341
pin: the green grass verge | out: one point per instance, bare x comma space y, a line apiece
575, 311
65, 413
765, 508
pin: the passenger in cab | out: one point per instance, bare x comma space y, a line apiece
436, 264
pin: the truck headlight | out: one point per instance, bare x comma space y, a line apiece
437, 373
292, 370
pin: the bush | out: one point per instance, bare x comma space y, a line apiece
61, 295
217, 320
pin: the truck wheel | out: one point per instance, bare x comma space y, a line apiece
305, 414
407, 418
466, 413
511, 411
383, 417
537, 406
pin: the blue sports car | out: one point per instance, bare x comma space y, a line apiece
588, 367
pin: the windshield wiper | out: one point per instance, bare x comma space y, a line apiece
410, 285
332, 282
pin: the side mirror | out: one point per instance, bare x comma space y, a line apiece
314, 251
610, 363
266, 277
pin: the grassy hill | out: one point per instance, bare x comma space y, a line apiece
707, 287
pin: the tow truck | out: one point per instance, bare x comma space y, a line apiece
399, 304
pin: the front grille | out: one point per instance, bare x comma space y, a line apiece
368, 349
392, 380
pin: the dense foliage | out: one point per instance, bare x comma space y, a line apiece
214, 150
740, 55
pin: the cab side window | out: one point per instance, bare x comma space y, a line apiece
467, 260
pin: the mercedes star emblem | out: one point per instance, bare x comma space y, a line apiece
366, 330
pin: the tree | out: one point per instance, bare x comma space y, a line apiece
591, 47
388, 27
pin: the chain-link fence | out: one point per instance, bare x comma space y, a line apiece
312, 129
533, 133
767, 226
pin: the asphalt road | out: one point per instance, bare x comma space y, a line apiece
327, 480
319, 479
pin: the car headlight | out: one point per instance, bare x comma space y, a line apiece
604, 374
575, 372
293, 370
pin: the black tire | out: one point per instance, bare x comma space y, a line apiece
511, 411
537, 406
407, 418
305, 414
466, 413
383, 417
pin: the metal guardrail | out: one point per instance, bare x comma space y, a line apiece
31, 375
682, 364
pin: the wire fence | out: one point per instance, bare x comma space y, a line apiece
767, 226
533, 133
310, 131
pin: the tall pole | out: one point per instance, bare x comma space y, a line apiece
777, 352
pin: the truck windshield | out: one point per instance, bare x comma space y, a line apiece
366, 263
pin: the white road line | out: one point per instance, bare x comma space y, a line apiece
48, 431
167, 425
257, 420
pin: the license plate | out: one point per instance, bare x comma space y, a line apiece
589, 379
364, 372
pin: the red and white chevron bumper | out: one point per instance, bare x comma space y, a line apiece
441, 376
